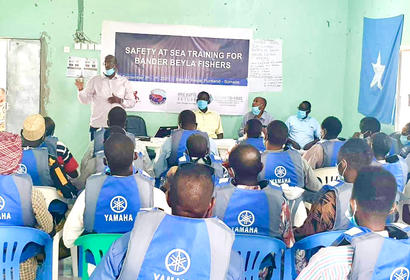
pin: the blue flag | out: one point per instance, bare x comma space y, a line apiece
380, 58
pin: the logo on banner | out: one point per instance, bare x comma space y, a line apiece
280, 171
400, 273
118, 205
158, 96
2, 203
177, 262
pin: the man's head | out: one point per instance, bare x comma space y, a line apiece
112, 130
50, 126
203, 100
34, 128
304, 109
10, 152
381, 144
258, 105
110, 64
187, 120
117, 116
331, 128
369, 126
191, 191
245, 161
406, 130
119, 152
197, 146
253, 128
353, 156
277, 133
374, 192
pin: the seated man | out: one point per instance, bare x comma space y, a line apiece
253, 132
38, 162
328, 213
110, 203
257, 113
372, 249
208, 121
285, 166
157, 239
20, 203
59, 150
324, 153
251, 207
370, 126
304, 130
175, 146
116, 117
197, 150
397, 166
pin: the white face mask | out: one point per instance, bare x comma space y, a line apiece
350, 215
342, 176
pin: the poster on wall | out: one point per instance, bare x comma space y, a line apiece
169, 65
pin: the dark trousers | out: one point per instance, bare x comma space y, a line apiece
92, 130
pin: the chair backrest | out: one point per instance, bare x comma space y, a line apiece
136, 125
253, 249
327, 174
403, 208
13, 240
312, 244
97, 245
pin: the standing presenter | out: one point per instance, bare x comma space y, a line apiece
104, 92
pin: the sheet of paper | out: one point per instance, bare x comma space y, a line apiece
75, 66
265, 67
90, 67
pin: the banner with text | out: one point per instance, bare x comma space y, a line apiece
170, 65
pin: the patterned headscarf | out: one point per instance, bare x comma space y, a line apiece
10, 152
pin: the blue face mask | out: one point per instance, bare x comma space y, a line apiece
350, 215
256, 111
404, 140
109, 72
301, 114
202, 104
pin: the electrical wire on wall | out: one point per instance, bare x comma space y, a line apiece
79, 35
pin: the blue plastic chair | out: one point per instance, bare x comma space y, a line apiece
13, 239
313, 242
254, 248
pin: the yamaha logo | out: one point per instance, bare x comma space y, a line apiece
118, 204
2, 203
280, 171
246, 218
177, 262
22, 169
400, 273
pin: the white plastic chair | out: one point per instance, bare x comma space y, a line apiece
327, 174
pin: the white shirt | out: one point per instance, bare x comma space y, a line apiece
98, 90
74, 225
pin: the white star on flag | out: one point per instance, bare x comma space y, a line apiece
378, 69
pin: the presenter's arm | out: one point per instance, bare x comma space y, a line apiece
85, 95
129, 100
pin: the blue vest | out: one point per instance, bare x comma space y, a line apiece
178, 146
282, 168
15, 201
330, 152
162, 246
377, 257
343, 192
215, 163
99, 139
258, 143
250, 211
113, 202
399, 170
35, 163
50, 142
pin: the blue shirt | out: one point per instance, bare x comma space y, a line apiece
265, 119
111, 264
303, 131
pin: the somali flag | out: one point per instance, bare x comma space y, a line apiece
380, 58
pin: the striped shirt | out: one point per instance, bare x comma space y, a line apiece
65, 158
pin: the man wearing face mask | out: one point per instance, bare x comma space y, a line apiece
257, 112
304, 130
208, 121
329, 212
105, 92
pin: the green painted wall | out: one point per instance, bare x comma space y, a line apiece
358, 10
314, 49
